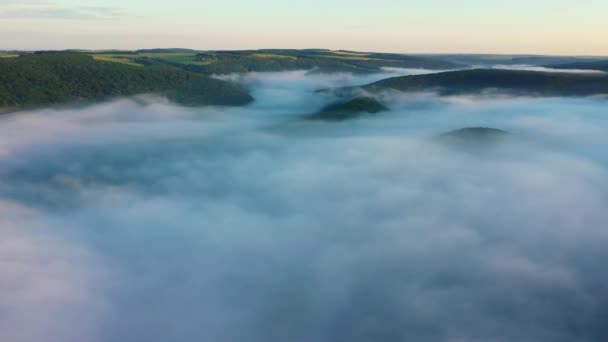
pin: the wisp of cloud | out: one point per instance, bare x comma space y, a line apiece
138, 220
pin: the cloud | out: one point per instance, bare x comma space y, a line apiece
250, 224
49, 10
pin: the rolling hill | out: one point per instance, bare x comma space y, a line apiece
595, 65
488, 60
55, 78
267, 60
512, 82
465, 82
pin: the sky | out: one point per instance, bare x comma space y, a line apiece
469, 26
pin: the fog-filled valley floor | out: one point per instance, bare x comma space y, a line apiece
139, 220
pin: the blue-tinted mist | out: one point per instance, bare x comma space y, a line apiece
144, 221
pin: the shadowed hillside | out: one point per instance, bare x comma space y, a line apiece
513, 82
595, 65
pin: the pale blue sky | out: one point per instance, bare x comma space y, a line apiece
515, 26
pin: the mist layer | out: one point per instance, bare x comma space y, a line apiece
151, 222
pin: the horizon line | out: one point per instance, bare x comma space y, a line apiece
326, 49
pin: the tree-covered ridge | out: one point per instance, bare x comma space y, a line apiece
467, 82
321, 60
53, 78
488, 60
514, 82
594, 65
224, 62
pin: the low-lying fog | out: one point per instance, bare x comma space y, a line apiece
137, 220
547, 69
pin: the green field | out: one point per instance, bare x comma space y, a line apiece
272, 55
223, 62
351, 57
184, 58
116, 59
350, 53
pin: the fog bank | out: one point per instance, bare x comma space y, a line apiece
144, 221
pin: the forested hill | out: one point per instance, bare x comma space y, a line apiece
320, 60
595, 65
54, 78
514, 82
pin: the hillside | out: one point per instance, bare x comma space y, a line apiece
54, 78
488, 60
322, 60
513, 82
595, 65
224, 62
